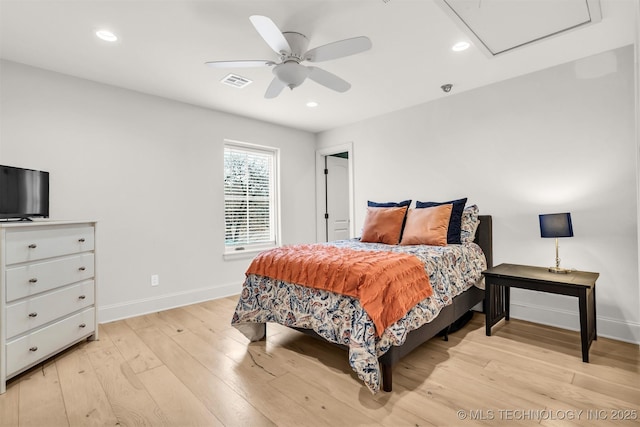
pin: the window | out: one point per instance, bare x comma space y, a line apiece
250, 208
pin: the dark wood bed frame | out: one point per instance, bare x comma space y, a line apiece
448, 315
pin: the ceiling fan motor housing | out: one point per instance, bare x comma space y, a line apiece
298, 44
290, 71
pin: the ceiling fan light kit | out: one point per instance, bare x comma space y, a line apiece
291, 73
291, 48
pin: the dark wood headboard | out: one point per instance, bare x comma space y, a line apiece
484, 238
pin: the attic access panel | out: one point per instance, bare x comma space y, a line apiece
498, 26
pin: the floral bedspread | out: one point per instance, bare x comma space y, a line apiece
340, 319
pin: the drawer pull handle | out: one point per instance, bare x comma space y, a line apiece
82, 325
34, 348
82, 269
34, 314
81, 297
33, 246
81, 240
34, 280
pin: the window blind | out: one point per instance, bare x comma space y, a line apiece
249, 199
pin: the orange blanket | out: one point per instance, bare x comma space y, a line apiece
387, 284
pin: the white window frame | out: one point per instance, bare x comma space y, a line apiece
249, 250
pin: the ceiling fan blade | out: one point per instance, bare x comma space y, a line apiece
270, 33
240, 64
338, 49
328, 79
274, 88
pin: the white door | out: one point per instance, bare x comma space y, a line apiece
337, 197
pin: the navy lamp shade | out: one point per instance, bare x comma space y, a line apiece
556, 225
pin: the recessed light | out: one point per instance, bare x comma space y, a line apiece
312, 104
106, 35
460, 46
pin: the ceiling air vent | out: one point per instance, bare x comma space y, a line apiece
236, 81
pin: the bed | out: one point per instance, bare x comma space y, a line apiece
454, 271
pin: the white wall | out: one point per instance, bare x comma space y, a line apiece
150, 171
557, 140
637, 93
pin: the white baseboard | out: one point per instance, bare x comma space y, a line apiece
606, 327
110, 313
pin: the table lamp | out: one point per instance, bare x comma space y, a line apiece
556, 225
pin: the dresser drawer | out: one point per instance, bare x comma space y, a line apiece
25, 245
30, 279
39, 345
36, 311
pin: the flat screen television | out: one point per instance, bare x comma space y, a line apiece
24, 193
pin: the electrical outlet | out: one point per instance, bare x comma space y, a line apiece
155, 280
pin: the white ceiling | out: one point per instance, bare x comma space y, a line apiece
164, 43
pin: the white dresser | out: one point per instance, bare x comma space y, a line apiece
47, 291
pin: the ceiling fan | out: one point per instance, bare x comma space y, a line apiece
292, 50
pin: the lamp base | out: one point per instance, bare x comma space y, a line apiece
559, 270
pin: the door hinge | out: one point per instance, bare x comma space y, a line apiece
326, 216
326, 171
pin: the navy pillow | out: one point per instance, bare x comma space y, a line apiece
455, 223
388, 204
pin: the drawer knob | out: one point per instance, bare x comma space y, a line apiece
34, 280
81, 297
82, 269
34, 348
81, 240
33, 246
34, 314
82, 325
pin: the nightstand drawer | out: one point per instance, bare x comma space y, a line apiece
35, 347
31, 245
31, 279
39, 310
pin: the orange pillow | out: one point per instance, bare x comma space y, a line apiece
383, 225
427, 226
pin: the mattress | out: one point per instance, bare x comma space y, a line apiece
340, 319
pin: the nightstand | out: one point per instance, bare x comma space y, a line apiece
582, 284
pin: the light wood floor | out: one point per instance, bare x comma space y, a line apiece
188, 366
